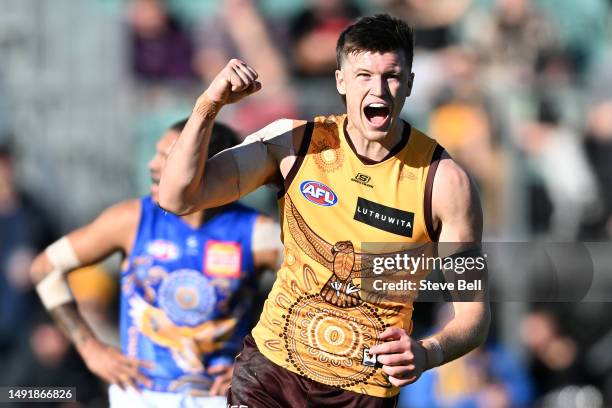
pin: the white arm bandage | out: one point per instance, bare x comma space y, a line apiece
266, 236
53, 289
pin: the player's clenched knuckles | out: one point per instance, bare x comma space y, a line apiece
240, 86
237, 79
241, 65
236, 61
245, 72
401, 372
241, 83
252, 71
398, 359
400, 383
394, 371
390, 347
390, 359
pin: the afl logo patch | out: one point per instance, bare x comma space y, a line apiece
318, 193
163, 250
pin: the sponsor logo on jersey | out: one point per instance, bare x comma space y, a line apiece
192, 241
380, 216
362, 179
318, 193
163, 250
192, 245
222, 259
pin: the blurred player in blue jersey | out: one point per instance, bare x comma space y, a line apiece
186, 290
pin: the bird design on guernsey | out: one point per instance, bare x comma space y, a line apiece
340, 258
187, 344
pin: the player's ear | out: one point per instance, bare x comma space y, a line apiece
340, 85
410, 82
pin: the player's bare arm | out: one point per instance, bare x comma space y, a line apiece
457, 205
457, 212
114, 230
190, 182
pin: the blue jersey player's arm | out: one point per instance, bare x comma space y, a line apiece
114, 230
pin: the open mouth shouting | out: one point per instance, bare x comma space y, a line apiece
377, 114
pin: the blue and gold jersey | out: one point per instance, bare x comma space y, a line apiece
186, 294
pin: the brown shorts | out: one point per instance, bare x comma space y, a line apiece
259, 383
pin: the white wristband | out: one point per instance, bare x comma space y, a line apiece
53, 289
62, 255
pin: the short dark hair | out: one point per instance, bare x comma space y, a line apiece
378, 33
223, 137
179, 125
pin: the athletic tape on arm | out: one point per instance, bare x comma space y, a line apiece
266, 237
53, 289
252, 153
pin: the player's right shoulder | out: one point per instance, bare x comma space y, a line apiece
119, 222
124, 211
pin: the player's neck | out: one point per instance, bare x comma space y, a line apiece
194, 220
374, 150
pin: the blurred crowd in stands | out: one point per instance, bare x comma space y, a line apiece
518, 91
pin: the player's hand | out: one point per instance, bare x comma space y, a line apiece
235, 81
403, 358
112, 366
223, 378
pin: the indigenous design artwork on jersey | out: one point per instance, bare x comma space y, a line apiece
292, 256
335, 341
326, 147
187, 297
349, 268
339, 324
186, 301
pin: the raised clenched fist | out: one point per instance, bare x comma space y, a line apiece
235, 81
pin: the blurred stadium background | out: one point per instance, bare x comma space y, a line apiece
519, 91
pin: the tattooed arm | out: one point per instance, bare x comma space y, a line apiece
114, 230
70, 321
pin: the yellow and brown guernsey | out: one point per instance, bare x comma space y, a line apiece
318, 321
